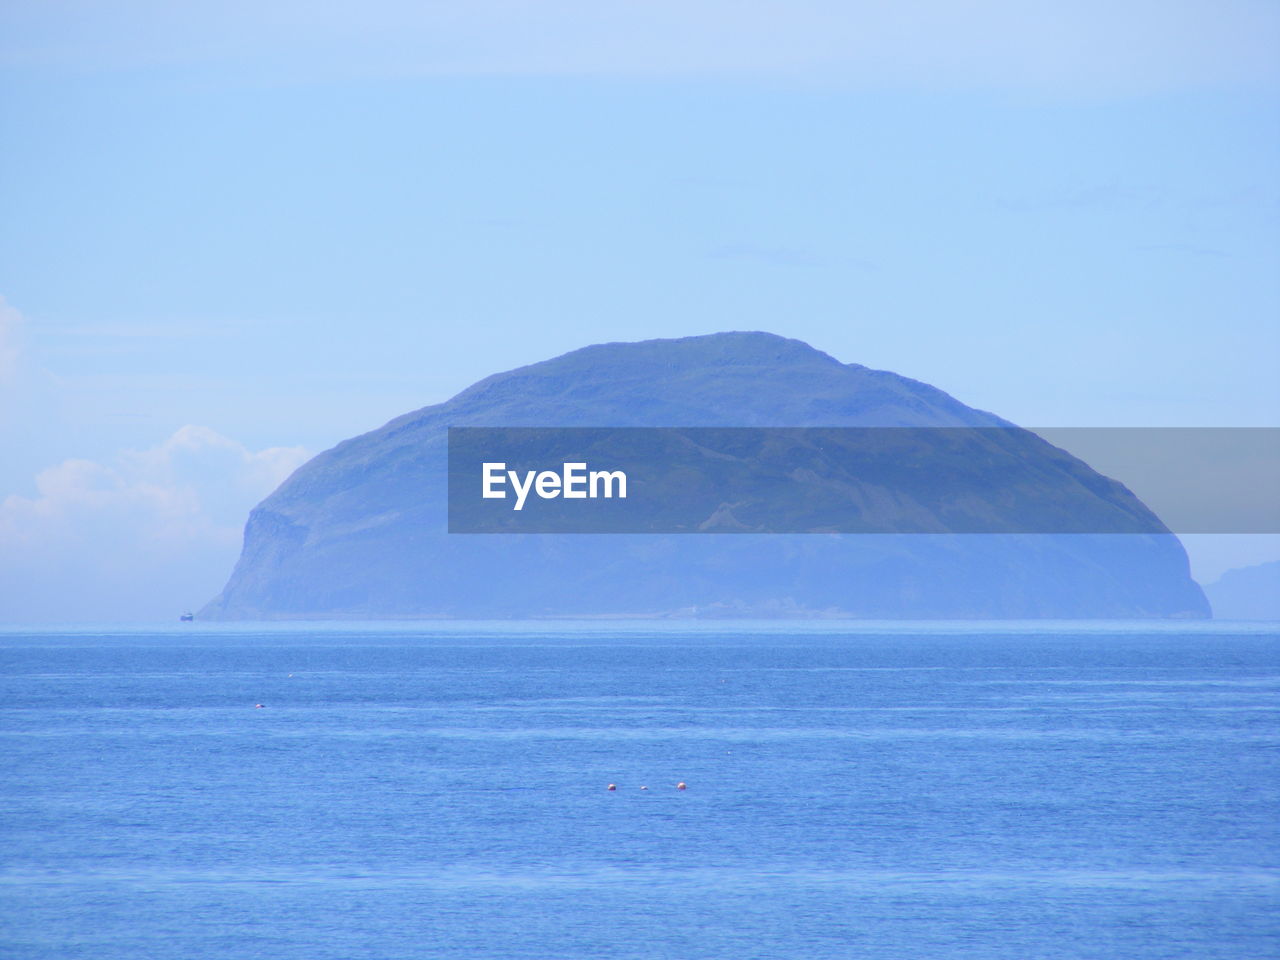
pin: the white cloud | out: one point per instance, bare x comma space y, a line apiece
142, 536
1096, 45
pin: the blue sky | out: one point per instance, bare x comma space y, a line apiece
274, 227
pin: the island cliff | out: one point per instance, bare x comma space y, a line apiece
360, 530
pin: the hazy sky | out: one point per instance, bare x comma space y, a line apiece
236, 233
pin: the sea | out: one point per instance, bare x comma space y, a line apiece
306, 791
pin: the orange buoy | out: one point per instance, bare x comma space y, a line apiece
682, 786
613, 786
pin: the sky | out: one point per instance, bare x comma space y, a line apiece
234, 234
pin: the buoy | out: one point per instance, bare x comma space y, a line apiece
613, 786
682, 786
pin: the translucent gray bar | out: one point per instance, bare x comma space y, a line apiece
864, 480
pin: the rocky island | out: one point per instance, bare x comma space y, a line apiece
361, 530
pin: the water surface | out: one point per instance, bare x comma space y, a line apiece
1096, 790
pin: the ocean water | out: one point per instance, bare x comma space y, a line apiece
1100, 790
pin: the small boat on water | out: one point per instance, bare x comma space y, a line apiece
188, 616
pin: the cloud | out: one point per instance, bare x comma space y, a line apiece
1060, 45
140, 537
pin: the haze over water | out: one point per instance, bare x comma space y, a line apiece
979, 790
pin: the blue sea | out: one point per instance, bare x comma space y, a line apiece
976, 790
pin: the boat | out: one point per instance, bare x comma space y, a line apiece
187, 617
